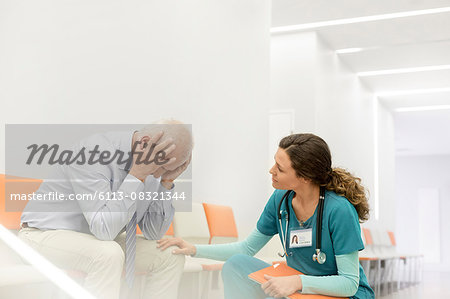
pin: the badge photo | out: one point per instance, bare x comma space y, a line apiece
300, 238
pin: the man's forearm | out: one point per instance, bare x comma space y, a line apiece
107, 218
157, 219
158, 214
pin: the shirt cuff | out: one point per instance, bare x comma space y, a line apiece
306, 284
164, 188
200, 250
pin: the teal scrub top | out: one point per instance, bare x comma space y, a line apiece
341, 234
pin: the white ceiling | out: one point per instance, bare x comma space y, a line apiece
292, 12
422, 133
408, 42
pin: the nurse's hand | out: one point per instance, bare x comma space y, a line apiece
280, 287
185, 247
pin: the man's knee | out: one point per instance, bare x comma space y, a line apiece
109, 252
173, 259
150, 258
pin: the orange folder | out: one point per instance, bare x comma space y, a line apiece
281, 269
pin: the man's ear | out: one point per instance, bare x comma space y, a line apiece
144, 142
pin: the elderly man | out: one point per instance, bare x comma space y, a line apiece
97, 236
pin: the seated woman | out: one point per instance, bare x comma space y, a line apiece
305, 184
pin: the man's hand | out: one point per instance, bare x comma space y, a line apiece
185, 247
280, 287
142, 151
171, 175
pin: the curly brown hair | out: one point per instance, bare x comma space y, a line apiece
311, 158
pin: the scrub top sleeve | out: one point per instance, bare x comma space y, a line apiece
345, 229
267, 223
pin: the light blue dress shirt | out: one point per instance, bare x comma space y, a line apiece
105, 219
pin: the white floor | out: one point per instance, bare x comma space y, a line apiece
434, 285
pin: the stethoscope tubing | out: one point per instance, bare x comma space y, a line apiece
319, 218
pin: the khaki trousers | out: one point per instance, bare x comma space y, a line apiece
103, 262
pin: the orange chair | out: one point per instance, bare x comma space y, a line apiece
10, 211
368, 236
392, 238
222, 229
169, 232
221, 223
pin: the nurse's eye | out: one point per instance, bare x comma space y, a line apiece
280, 169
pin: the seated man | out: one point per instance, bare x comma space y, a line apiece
89, 235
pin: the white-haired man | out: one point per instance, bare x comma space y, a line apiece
89, 235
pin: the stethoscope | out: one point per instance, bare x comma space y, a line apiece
319, 256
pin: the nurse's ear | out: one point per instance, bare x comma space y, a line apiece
305, 180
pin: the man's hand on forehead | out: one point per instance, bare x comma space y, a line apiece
149, 154
181, 138
171, 175
183, 149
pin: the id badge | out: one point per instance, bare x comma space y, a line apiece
300, 238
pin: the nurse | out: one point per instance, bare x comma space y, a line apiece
303, 165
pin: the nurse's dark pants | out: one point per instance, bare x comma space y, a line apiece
237, 285
235, 277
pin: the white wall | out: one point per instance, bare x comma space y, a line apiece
292, 77
412, 174
329, 100
203, 62
344, 115
386, 169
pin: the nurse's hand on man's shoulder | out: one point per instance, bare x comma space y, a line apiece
280, 287
184, 247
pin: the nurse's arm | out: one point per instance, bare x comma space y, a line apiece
221, 252
345, 284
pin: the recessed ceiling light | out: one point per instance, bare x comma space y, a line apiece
405, 70
411, 92
423, 108
348, 50
389, 16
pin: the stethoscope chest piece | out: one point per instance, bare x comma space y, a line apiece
320, 257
